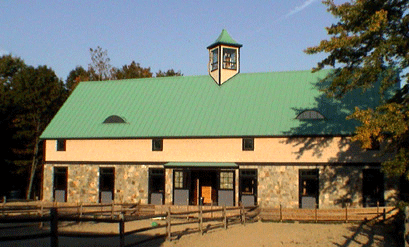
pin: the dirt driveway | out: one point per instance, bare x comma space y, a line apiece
252, 234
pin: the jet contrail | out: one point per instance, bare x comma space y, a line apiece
300, 7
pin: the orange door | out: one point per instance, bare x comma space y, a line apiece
207, 194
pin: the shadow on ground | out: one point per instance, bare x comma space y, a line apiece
372, 234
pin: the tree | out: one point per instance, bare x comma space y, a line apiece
37, 95
76, 76
170, 72
100, 69
134, 70
9, 67
369, 44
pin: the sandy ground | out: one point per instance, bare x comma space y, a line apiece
252, 234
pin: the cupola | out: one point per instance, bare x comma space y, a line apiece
224, 58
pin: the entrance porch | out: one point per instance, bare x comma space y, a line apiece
218, 184
214, 186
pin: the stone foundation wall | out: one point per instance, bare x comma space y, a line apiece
338, 186
277, 184
47, 194
131, 183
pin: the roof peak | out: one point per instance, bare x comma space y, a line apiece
224, 39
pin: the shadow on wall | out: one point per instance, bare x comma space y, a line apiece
341, 185
335, 112
341, 182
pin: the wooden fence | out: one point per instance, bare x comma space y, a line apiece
119, 214
174, 216
328, 215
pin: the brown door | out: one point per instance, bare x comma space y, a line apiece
207, 194
203, 184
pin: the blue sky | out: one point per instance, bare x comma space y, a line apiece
163, 34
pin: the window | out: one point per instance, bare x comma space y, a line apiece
248, 144
114, 119
229, 58
106, 184
248, 187
157, 144
180, 180
226, 180
60, 184
156, 186
310, 115
309, 188
214, 58
373, 188
248, 181
61, 145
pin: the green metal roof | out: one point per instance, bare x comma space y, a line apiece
254, 104
201, 164
224, 39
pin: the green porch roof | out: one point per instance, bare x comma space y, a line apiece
254, 104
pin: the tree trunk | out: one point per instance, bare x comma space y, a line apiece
33, 163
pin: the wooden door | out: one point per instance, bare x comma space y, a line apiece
207, 194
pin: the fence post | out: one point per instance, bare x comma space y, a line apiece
211, 209
54, 227
3, 205
377, 207
187, 207
121, 230
281, 213
243, 214
112, 209
224, 217
200, 219
346, 213
41, 215
316, 213
384, 214
168, 225
81, 210
406, 226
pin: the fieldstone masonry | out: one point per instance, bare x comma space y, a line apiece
131, 183
277, 185
339, 185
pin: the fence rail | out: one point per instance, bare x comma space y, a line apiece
328, 215
117, 214
174, 216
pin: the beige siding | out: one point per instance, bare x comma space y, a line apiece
336, 149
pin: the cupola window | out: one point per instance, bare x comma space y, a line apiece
214, 58
229, 58
310, 115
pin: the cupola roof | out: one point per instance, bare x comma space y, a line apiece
224, 39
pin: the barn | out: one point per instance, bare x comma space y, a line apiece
224, 138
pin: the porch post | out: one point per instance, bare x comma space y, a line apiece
168, 185
236, 187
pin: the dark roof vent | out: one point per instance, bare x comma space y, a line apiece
310, 115
114, 119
